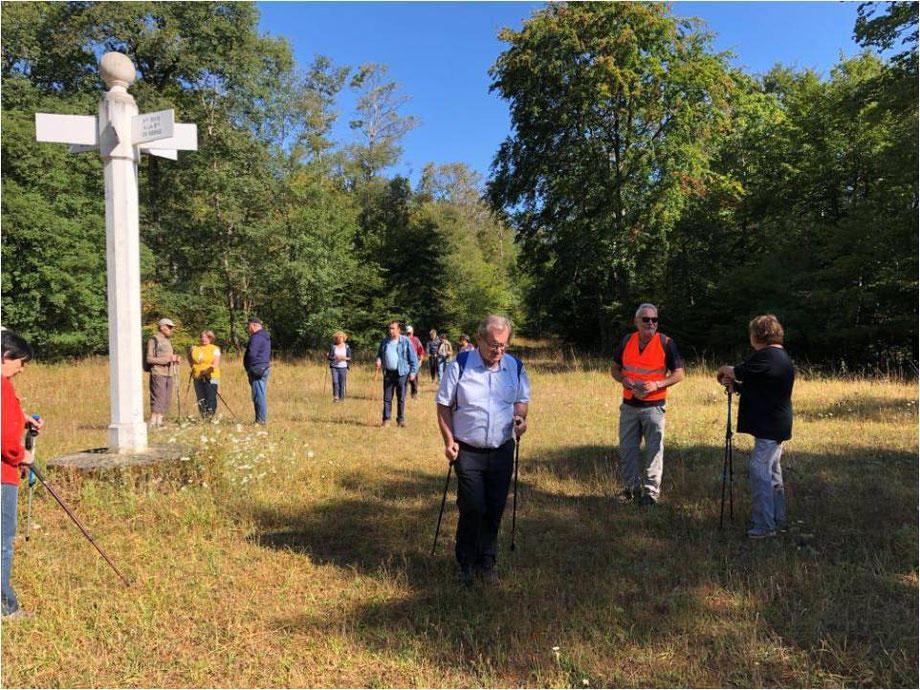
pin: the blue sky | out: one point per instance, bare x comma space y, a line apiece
440, 53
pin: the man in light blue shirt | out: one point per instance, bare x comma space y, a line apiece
396, 356
482, 406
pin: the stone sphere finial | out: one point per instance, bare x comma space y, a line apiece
117, 70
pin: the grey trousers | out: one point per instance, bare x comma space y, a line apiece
637, 423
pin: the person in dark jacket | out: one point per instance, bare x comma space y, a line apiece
257, 363
765, 381
434, 342
339, 357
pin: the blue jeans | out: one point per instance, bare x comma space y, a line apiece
10, 497
442, 362
393, 381
768, 497
339, 376
259, 386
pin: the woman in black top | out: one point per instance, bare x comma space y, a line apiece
765, 381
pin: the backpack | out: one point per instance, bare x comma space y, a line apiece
464, 356
461, 364
144, 363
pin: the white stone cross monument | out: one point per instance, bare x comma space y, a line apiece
119, 134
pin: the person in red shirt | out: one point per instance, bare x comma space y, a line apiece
419, 352
16, 352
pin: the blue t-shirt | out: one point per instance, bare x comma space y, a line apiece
391, 355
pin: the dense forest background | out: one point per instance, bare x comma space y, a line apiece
640, 166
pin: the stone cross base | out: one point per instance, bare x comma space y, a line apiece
100, 459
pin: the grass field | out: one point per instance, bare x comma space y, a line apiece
299, 555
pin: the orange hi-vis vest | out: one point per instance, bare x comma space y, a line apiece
648, 365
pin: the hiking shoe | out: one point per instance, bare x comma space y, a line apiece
385, 422
646, 500
466, 575
760, 534
18, 615
626, 496
401, 423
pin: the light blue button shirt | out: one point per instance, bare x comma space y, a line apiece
484, 399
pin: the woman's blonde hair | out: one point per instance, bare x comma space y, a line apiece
339, 334
766, 329
209, 334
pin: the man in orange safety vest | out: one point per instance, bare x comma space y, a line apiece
646, 363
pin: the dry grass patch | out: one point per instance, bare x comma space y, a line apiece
300, 556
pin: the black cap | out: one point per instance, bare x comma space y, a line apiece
254, 319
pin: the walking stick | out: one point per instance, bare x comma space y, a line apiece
175, 369
187, 387
727, 469
217, 390
325, 376
30, 445
73, 517
437, 530
517, 459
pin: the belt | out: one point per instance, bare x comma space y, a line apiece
474, 449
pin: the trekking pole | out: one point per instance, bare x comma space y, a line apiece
187, 388
727, 469
517, 459
30, 445
437, 530
217, 390
175, 369
73, 517
325, 376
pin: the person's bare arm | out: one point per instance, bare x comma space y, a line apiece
445, 424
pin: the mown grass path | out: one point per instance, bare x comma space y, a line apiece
299, 556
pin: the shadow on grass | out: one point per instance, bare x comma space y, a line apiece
593, 574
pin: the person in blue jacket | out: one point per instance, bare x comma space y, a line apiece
257, 363
396, 356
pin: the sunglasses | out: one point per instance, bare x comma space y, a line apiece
649, 319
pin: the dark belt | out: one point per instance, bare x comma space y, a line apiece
473, 449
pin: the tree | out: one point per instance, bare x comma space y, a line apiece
613, 109
378, 120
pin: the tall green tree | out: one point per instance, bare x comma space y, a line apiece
613, 107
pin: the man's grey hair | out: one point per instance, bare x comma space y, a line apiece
410, 329
496, 321
645, 305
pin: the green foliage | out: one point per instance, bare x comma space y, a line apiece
270, 216
641, 169
613, 108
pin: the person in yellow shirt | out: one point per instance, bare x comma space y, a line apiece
205, 361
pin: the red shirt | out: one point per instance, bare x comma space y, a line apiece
417, 344
13, 427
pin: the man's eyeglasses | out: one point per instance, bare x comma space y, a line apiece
497, 346
649, 319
